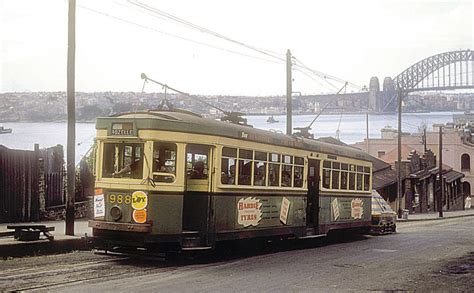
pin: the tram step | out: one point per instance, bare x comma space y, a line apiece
196, 248
189, 242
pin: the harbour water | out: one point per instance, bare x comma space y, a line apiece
352, 128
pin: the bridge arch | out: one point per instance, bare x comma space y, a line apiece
444, 71
449, 70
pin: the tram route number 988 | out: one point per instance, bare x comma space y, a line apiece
119, 198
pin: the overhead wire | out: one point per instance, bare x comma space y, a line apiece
202, 29
174, 35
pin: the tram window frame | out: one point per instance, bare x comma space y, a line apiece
327, 170
266, 168
164, 161
194, 155
122, 160
298, 170
228, 154
245, 167
287, 171
274, 169
259, 175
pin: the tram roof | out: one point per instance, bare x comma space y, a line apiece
184, 121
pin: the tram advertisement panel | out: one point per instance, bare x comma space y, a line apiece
266, 211
349, 209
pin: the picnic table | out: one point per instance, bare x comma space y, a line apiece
28, 232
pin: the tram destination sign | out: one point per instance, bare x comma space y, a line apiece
122, 129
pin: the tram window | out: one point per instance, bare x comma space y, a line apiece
245, 171
335, 179
360, 169
228, 171
164, 161
245, 154
259, 173
196, 163
275, 158
359, 181
287, 159
260, 156
327, 164
351, 181
273, 174
260, 169
344, 180
229, 152
123, 160
344, 166
286, 175
298, 177
336, 165
366, 170
366, 182
299, 161
326, 178
228, 165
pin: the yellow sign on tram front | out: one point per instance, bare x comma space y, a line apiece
139, 200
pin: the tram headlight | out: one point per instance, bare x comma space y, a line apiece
115, 213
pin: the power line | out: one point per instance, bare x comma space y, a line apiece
203, 29
323, 75
173, 35
314, 79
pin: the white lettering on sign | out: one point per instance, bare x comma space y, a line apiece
249, 211
335, 209
357, 208
285, 207
244, 135
99, 206
122, 131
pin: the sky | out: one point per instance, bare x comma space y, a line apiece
117, 40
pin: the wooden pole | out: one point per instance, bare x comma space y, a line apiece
399, 188
71, 119
441, 181
289, 107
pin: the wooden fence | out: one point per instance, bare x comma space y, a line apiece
19, 185
32, 184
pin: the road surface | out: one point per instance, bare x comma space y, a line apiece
430, 255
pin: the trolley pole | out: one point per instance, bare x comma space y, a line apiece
441, 181
71, 119
289, 106
399, 181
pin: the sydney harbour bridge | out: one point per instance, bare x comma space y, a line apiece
444, 71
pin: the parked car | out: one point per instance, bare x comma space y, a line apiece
383, 217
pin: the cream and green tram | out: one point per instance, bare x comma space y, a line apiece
172, 180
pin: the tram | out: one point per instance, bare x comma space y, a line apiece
173, 180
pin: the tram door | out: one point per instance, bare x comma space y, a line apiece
312, 211
197, 200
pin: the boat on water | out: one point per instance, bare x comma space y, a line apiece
5, 130
272, 119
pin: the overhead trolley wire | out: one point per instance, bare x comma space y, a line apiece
174, 35
203, 29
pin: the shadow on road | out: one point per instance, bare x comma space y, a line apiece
236, 250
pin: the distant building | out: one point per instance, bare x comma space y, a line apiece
458, 149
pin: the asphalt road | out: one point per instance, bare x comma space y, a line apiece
425, 256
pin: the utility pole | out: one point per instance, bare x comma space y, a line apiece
399, 185
71, 119
441, 181
367, 130
289, 106
424, 140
